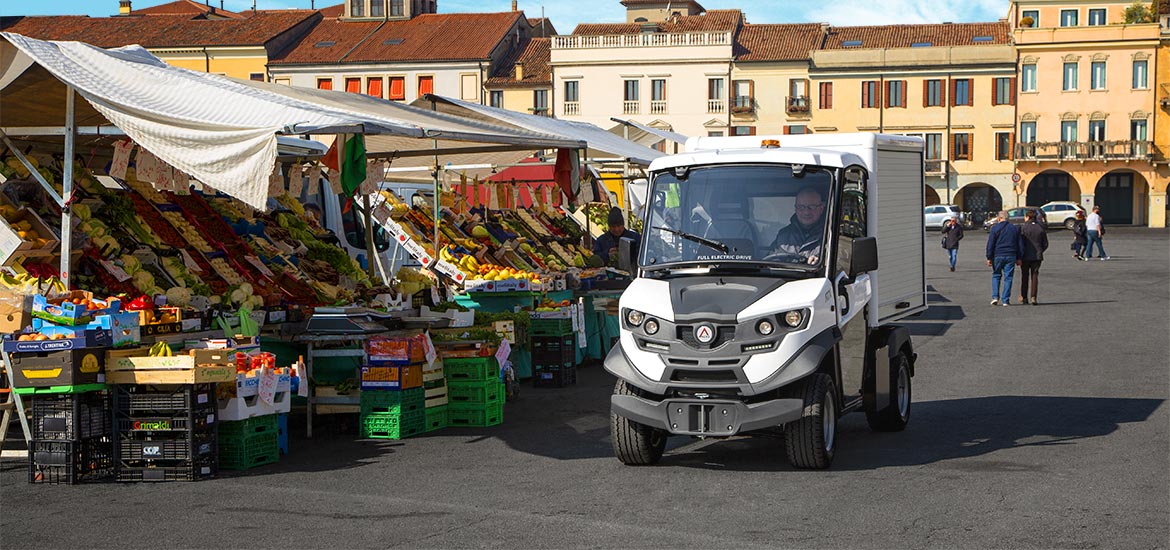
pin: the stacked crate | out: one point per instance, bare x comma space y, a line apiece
393, 401
249, 443
165, 432
475, 394
435, 388
393, 414
71, 436
554, 353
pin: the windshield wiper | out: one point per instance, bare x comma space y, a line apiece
697, 239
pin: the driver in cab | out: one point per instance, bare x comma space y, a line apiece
801, 238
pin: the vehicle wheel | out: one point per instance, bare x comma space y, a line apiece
1069, 223
634, 444
896, 415
811, 441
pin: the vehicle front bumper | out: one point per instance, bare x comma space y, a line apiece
706, 417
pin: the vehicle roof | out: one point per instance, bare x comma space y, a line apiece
760, 155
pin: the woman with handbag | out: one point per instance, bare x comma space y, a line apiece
952, 233
1080, 236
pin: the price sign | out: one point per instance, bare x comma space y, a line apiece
503, 353
431, 354
267, 385
118, 273
122, 150
303, 384
260, 266
190, 262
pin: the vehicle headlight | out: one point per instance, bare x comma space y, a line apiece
765, 328
634, 317
651, 327
794, 318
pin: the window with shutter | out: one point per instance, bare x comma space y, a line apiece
398, 88
353, 85
426, 85
324, 83
826, 99
374, 87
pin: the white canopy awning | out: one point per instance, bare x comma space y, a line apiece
664, 134
218, 129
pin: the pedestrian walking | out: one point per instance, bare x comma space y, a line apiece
1004, 248
1035, 240
1096, 232
952, 233
1080, 236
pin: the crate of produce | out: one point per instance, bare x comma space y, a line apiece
69, 417
75, 308
436, 418
475, 393
471, 369
550, 327
248, 384
140, 359
436, 393
58, 368
282, 433
195, 375
70, 462
240, 408
250, 451
554, 377
188, 471
391, 377
393, 426
475, 416
134, 400
554, 350
51, 338
194, 447
396, 350
252, 426
188, 423
392, 402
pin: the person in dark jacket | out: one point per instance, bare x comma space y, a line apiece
1035, 241
803, 235
1004, 248
606, 246
1080, 236
952, 233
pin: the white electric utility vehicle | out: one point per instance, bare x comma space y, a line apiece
759, 302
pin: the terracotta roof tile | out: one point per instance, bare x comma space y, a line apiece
549, 29
186, 7
682, 3
781, 42
904, 36
428, 37
714, 20
535, 54
337, 10
158, 31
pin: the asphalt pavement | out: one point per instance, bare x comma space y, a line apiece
1032, 427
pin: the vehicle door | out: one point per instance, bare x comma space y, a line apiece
852, 294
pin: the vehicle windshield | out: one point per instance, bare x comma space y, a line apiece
770, 215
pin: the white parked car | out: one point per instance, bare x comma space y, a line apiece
1061, 213
939, 213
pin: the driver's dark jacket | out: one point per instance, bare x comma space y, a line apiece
798, 240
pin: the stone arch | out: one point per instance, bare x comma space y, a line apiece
1051, 185
1100, 57
979, 200
1071, 58
1029, 117
1122, 194
932, 197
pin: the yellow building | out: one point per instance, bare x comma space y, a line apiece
1160, 189
770, 90
950, 84
1087, 101
523, 81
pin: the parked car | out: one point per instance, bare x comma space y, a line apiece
937, 214
1016, 216
1061, 213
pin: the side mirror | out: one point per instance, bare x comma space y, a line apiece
864, 257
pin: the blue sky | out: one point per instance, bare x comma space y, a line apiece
567, 13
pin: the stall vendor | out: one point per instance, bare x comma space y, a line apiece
606, 246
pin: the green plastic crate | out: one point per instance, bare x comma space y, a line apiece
550, 327
250, 451
393, 401
83, 388
471, 369
475, 416
393, 426
475, 393
436, 418
248, 427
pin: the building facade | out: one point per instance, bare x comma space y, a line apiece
770, 89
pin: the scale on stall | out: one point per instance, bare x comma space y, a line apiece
345, 320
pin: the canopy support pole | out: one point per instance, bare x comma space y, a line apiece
371, 247
32, 170
437, 201
67, 188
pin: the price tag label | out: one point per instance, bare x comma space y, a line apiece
260, 266
122, 151
431, 354
267, 385
296, 184
435, 295
303, 383
190, 262
118, 273
503, 352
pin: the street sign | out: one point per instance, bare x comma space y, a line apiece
1016, 177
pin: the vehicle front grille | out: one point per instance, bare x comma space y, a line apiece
722, 335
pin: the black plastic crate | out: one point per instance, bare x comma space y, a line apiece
546, 377
71, 417
136, 400
167, 449
189, 471
195, 421
71, 462
554, 350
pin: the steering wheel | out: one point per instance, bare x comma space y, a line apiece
785, 258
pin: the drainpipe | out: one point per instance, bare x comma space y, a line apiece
482, 86
206, 61
1016, 187
882, 102
729, 91
947, 137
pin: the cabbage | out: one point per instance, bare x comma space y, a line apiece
247, 288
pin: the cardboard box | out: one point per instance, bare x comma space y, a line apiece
13, 247
85, 339
15, 311
69, 367
67, 310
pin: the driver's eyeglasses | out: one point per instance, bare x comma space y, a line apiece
810, 207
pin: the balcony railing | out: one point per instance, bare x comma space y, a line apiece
630, 107
658, 107
1085, 150
936, 167
572, 108
797, 104
656, 39
743, 104
716, 105
540, 111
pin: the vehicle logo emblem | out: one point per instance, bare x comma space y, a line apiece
705, 334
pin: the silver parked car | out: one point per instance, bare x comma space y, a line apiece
1061, 213
937, 214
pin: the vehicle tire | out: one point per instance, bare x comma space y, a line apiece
895, 416
1070, 223
634, 444
811, 441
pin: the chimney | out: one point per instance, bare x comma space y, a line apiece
515, 7
519, 71
123, 7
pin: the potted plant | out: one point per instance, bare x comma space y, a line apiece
1027, 21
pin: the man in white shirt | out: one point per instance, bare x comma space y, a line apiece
1095, 232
